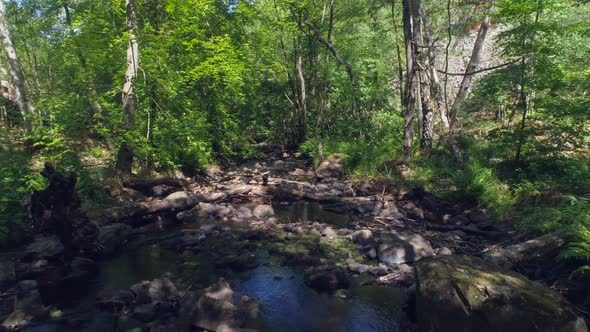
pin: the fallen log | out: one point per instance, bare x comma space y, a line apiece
525, 251
146, 184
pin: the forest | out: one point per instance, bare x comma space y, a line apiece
294, 165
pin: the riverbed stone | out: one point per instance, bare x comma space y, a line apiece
44, 247
397, 248
244, 213
362, 237
331, 167
176, 196
262, 211
327, 278
461, 293
111, 237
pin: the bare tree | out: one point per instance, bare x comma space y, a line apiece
21, 89
129, 96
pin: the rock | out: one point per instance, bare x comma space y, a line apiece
239, 263
331, 167
113, 236
215, 315
397, 248
244, 213
114, 300
262, 211
248, 309
327, 278
444, 251
220, 291
460, 293
17, 320
241, 190
141, 292
358, 267
176, 195
391, 212
162, 290
362, 237
146, 312
329, 233
44, 247
212, 197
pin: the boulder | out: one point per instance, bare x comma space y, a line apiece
215, 315
262, 211
244, 213
176, 195
331, 167
460, 293
162, 290
327, 278
44, 247
220, 291
362, 237
395, 248
241, 190
114, 300
113, 236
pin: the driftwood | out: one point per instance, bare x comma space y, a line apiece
147, 184
525, 251
142, 209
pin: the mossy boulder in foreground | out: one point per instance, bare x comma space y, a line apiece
459, 293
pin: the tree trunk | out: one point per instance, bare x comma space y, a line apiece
302, 119
16, 74
473, 64
409, 107
436, 88
129, 97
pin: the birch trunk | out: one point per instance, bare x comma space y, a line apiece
16, 74
129, 96
473, 64
409, 107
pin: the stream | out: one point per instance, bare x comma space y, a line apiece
287, 304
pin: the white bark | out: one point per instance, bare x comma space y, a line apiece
16, 74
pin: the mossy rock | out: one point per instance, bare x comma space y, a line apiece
460, 293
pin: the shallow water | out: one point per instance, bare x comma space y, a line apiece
312, 211
287, 304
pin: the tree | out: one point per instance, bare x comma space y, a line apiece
21, 89
129, 95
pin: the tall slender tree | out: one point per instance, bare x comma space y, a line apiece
21, 89
129, 95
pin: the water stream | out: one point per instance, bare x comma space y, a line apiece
287, 304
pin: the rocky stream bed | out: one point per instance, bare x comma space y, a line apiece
275, 246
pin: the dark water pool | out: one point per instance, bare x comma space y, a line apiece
312, 211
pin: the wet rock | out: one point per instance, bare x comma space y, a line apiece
176, 195
215, 315
327, 278
114, 300
362, 237
239, 263
244, 213
113, 236
331, 167
44, 247
220, 291
262, 211
162, 290
141, 292
459, 293
248, 309
395, 248
146, 312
